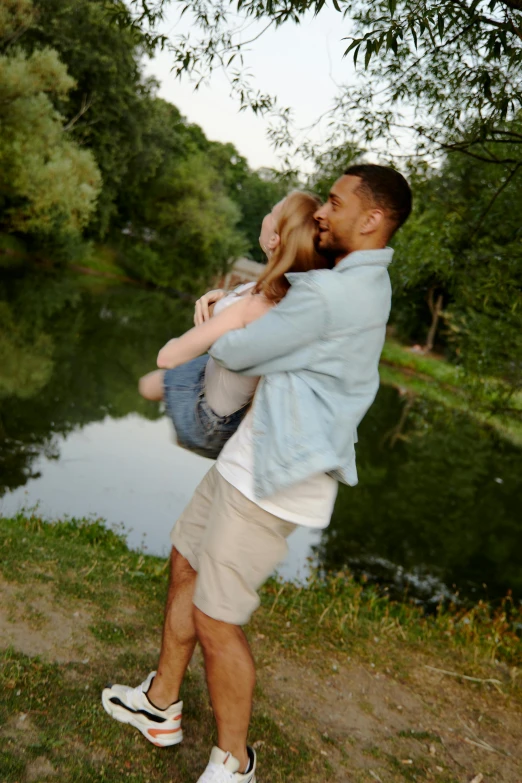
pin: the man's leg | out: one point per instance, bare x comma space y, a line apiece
154, 707
241, 547
231, 678
179, 633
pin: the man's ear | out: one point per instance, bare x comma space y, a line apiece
373, 221
274, 242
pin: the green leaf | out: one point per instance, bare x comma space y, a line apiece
369, 52
354, 43
440, 24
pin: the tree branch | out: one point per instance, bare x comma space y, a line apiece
86, 105
497, 194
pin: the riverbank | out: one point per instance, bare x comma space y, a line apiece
438, 380
351, 687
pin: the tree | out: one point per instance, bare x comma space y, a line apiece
105, 107
455, 65
329, 164
463, 244
182, 226
133, 135
259, 191
254, 192
48, 185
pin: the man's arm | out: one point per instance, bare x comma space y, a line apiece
293, 324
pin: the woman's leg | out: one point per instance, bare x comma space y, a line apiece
150, 386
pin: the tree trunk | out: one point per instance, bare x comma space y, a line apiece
435, 310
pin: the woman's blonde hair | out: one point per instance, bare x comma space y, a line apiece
296, 251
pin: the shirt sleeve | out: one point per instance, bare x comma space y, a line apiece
292, 325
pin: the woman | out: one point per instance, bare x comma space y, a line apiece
205, 401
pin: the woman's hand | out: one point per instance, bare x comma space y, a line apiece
202, 312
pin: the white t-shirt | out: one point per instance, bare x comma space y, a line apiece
227, 391
309, 503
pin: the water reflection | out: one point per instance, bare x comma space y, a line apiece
129, 472
438, 502
438, 496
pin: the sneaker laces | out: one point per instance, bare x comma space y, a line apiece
216, 773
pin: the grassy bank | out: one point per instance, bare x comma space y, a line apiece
351, 686
445, 383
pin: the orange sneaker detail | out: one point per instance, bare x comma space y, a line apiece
158, 732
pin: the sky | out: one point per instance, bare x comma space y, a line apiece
301, 64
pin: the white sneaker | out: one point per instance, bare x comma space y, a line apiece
223, 768
131, 705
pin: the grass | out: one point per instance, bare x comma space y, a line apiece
82, 561
445, 383
343, 615
55, 706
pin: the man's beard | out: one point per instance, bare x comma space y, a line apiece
328, 253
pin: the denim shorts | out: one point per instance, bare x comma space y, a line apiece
197, 427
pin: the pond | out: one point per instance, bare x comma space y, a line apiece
437, 511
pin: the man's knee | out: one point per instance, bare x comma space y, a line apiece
213, 634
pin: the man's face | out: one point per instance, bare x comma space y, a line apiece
340, 219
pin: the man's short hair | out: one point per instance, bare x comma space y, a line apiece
385, 188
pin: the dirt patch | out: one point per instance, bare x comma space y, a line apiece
20, 727
39, 769
364, 720
32, 622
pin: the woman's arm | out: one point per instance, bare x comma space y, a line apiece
199, 339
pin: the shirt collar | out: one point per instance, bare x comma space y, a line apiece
378, 257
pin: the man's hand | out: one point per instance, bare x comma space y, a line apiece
202, 312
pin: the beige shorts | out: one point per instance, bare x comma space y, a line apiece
232, 544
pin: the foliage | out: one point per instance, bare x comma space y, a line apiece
48, 185
463, 240
184, 230
455, 65
147, 151
105, 108
329, 164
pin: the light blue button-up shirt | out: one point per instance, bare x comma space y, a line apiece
318, 352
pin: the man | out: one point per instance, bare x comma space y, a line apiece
318, 354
